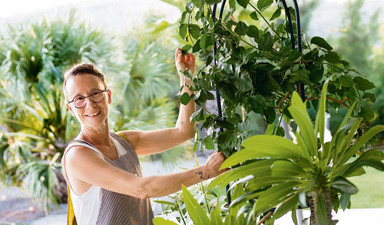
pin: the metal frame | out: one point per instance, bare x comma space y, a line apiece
300, 87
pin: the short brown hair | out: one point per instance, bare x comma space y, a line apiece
82, 68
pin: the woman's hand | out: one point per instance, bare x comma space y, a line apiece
211, 167
186, 62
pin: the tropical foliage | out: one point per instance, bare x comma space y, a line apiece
277, 170
35, 123
248, 59
274, 174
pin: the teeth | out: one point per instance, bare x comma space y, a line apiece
94, 114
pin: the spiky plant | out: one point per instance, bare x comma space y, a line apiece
277, 172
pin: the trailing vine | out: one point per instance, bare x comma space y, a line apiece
257, 69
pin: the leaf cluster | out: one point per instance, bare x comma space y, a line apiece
252, 66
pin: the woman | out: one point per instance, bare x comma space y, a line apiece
102, 169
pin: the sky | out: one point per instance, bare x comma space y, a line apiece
17, 7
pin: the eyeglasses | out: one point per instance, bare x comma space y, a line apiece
96, 96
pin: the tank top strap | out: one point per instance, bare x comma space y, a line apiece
85, 144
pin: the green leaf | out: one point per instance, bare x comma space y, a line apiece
346, 81
361, 141
185, 98
286, 206
254, 16
243, 3
183, 30
344, 185
186, 48
260, 146
208, 143
319, 41
194, 30
276, 14
164, 202
241, 28
257, 168
287, 169
367, 113
274, 195
332, 57
216, 217
363, 84
264, 4
162, 221
370, 97
257, 103
253, 31
320, 118
300, 115
244, 83
270, 114
345, 200
195, 211
197, 116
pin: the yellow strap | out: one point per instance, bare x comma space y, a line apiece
120, 133
71, 219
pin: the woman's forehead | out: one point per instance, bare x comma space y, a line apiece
83, 83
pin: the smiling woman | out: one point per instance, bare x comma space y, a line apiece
118, 193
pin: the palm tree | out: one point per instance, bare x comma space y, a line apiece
148, 83
36, 123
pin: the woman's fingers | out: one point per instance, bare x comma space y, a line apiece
178, 55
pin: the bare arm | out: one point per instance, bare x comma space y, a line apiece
81, 164
151, 142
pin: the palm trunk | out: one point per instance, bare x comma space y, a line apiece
314, 206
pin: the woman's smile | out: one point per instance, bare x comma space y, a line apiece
93, 114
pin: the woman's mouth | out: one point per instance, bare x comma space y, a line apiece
93, 114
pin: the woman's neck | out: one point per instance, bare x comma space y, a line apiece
96, 136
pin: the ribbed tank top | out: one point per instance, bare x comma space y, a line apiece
98, 206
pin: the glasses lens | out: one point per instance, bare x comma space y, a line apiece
79, 101
97, 96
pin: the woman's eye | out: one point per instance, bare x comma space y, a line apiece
79, 98
96, 93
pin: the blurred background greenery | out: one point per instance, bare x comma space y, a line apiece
137, 58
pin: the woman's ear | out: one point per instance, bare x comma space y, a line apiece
69, 108
109, 96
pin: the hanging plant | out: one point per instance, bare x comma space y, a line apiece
258, 71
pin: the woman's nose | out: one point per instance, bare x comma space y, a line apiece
89, 102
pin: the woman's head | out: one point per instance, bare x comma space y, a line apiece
80, 69
86, 94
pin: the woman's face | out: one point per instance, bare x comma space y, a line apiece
93, 113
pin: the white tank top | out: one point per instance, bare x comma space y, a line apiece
87, 205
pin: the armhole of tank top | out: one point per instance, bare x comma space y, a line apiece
72, 144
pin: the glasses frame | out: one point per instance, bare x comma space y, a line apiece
89, 96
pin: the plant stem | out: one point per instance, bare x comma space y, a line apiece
181, 213
205, 196
265, 20
206, 110
332, 99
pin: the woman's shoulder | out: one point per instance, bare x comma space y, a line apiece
131, 136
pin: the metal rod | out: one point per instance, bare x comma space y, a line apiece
290, 23
218, 99
298, 30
